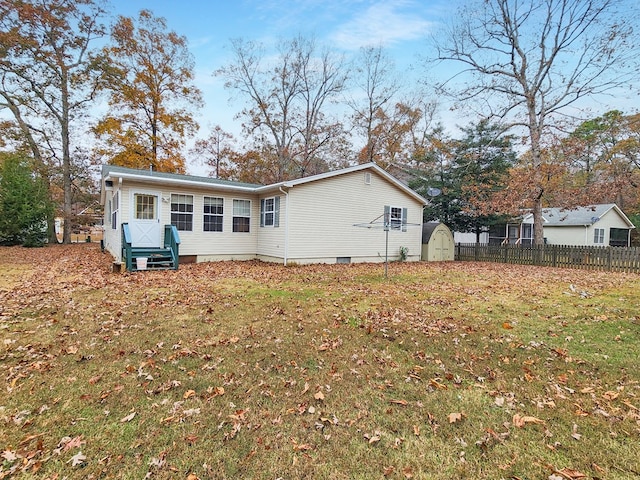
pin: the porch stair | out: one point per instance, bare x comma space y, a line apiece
158, 258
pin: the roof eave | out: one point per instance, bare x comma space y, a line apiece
176, 181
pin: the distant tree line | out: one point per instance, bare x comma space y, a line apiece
306, 109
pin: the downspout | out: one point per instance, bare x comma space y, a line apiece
286, 225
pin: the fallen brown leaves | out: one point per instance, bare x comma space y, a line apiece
306, 371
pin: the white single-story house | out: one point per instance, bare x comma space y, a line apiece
593, 225
334, 217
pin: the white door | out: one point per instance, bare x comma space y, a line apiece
145, 227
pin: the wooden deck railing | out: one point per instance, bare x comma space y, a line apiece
614, 259
172, 242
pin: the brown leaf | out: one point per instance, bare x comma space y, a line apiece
373, 438
77, 459
570, 474
73, 443
404, 403
455, 417
319, 396
507, 326
520, 421
189, 394
301, 447
128, 418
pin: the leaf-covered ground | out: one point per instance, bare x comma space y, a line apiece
253, 370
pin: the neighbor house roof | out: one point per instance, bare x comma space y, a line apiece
580, 216
111, 172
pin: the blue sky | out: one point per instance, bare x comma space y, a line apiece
401, 26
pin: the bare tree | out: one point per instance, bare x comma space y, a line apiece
376, 86
216, 150
530, 60
287, 101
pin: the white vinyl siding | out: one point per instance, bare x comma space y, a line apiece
318, 233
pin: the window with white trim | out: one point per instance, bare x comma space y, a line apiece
182, 211
270, 212
598, 235
114, 210
241, 215
395, 218
213, 211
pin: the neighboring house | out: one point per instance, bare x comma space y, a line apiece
593, 225
316, 219
468, 237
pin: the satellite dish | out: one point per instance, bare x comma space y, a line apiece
433, 191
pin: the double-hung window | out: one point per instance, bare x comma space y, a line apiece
213, 214
270, 212
395, 218
182, 211
598, 235
241, 215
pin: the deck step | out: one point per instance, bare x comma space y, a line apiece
157, 258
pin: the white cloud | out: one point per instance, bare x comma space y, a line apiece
383, 23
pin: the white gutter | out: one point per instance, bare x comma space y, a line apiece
204, 185
286, 225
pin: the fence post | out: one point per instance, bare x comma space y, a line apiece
609, 258
554, 255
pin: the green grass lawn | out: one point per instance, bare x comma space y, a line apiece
252, 370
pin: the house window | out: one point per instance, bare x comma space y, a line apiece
182, 212
598, 235
270, 212
241, 215
114, 210
213, 212
619, 237
395, 218
145, 206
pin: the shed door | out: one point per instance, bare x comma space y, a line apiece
442, 246
146, 230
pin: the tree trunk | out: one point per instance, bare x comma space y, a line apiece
66, 162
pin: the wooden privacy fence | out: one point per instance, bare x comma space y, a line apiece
614, 259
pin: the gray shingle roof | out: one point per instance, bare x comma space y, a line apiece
556, 217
